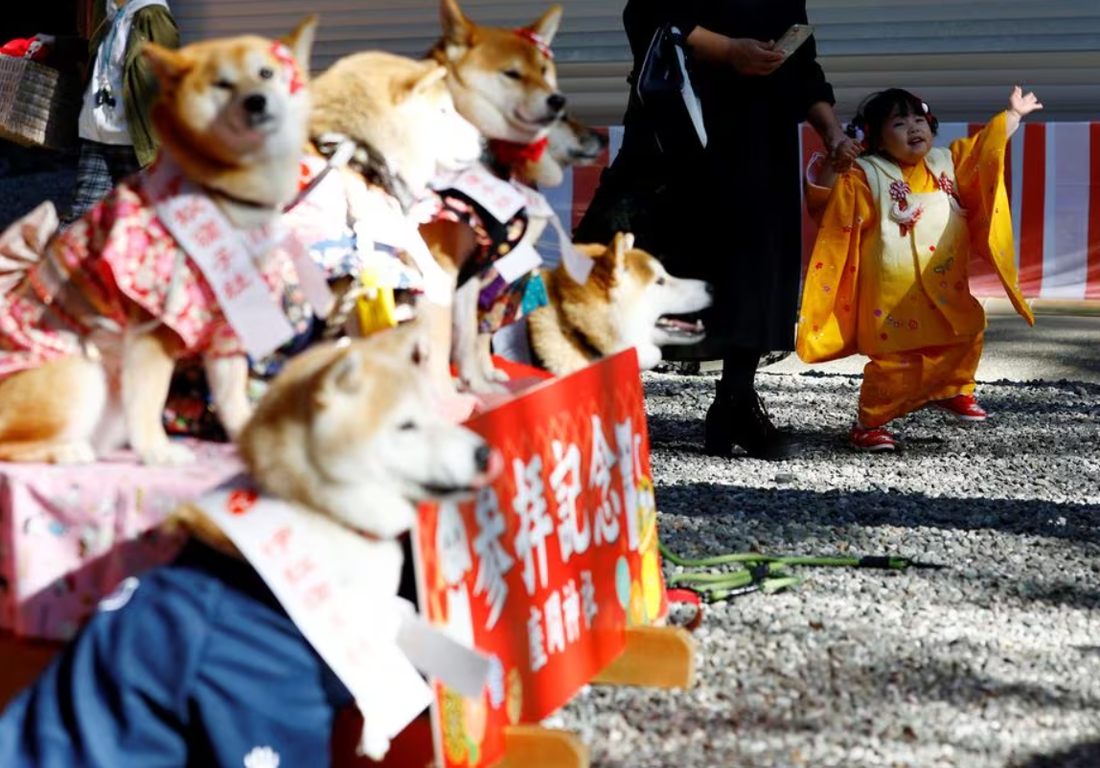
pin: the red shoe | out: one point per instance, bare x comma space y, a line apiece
872, 440
963, 408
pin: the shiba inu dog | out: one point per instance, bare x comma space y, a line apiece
99, 313
504, 82
627, 301
181, 665
400, 116
400, 110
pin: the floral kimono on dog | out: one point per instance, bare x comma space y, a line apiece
120, 252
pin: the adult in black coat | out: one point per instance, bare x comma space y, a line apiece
729, 214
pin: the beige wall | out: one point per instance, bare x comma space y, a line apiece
960, 55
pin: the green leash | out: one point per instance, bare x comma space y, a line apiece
766, 573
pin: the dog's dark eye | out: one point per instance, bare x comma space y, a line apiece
513, 74
407, 426
267, 73
661, 281
223, 83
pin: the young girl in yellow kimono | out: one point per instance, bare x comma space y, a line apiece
889, 276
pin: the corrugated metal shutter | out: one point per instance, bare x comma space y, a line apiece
961, 56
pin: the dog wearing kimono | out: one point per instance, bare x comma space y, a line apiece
399, 116
199, 662
94, 318
504, 82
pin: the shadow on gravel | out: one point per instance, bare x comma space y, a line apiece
831, 513
1080, 756
1064, 430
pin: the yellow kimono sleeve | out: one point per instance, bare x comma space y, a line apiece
816, 196
827, 322
980, 174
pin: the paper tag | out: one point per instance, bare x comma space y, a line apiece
221, 254
311, 278
378, 222
537, 204
518, 262
282, 545
462, 669
497, 196
577, 265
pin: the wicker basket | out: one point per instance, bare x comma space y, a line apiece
39, 105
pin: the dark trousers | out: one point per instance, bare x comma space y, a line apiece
100, 168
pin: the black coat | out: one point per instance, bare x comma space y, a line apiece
732, 217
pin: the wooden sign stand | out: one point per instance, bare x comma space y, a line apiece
655, 657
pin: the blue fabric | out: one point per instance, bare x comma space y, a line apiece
199, 668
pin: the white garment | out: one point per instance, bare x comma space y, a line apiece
106, 122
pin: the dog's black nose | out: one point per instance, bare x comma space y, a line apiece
482, 456
556, 102
255, 104
710, 289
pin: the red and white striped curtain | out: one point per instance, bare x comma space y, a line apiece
1053, 179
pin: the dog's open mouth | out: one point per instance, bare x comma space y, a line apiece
681, 331
493, 469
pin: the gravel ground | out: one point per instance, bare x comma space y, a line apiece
994, 661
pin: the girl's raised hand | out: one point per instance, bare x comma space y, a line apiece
1023, 104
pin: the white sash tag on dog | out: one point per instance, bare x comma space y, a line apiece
224, 255
311, 278
439, 656
378, 222
374, 657
499, 197
537, 204
518, 262
576, 263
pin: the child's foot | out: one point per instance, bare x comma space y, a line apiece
963, 408
872, 440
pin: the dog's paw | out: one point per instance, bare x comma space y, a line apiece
492, 373
167, 454
80, 452
481, 382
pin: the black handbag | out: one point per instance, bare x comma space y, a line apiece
663, 88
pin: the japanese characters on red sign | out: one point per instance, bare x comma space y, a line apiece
550, 564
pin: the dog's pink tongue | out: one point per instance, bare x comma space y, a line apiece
496, 466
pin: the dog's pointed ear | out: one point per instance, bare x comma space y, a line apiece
300, 41
456, 27
623, 242
547, 26
168, 65
421, 81
344, 375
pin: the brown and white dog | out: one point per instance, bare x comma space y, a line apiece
505, 83
347, 434
628, 301
93, 324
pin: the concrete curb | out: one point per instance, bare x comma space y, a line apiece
1002, 306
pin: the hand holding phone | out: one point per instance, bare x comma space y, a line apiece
793, 38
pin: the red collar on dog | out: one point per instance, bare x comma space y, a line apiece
511, 153
531, 37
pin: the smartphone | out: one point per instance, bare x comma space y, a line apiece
793, 38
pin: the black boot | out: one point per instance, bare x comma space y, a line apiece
740, 419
